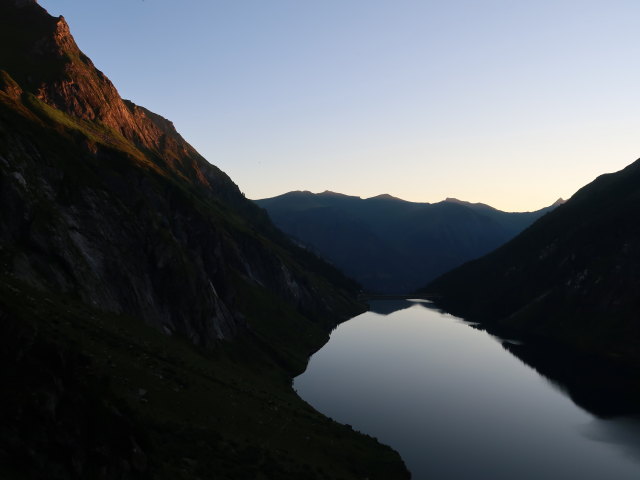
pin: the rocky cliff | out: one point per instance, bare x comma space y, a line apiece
118, 242
104, 199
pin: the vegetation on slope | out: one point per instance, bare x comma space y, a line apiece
391, 245
571, 276
94, 395
151, 316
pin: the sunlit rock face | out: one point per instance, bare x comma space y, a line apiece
104, 200
105, 209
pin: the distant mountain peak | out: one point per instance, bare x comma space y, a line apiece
329, 193
468, 204
570, 277
299, 192
388, 244
386, 196
462, 202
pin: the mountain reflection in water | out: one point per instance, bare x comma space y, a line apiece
387, 307
451, 400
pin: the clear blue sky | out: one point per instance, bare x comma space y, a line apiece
508, 102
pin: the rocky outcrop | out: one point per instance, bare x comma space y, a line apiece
109, 216
82, 91
103, 200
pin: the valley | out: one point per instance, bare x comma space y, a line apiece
156, 323
390, 245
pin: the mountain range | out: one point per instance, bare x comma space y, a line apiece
151, 317
391, 245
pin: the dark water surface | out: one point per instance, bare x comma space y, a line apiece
457, 404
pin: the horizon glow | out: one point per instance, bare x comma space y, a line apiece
512, 104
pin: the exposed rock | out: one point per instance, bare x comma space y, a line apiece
9, 86
109, 216
120, 210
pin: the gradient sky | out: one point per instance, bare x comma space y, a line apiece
513, 103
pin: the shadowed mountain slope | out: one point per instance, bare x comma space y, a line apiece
572, 276
105, 199
151, 316
390, 245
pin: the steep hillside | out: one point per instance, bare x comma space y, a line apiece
105, 199
572, 276
120, 246
390, 245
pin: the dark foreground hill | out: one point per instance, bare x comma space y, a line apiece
573, 276
151, 317
391, 245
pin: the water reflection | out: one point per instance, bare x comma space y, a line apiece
604, 389
387, 307
610, 392
458, 404
622, 432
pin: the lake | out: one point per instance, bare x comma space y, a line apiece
456, 403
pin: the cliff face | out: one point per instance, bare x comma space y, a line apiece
117, 242
104, 200
572, 276
47, 62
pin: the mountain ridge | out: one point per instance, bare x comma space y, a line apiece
388, 244
570, 277
93, 111
151, 316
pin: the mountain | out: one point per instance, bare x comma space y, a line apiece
151, 317
571, 277
390, 245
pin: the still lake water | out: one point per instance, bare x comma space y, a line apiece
456, 404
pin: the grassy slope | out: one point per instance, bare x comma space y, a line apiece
223, 413
228, 413
63, 136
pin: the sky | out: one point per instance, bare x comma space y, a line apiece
512, 103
